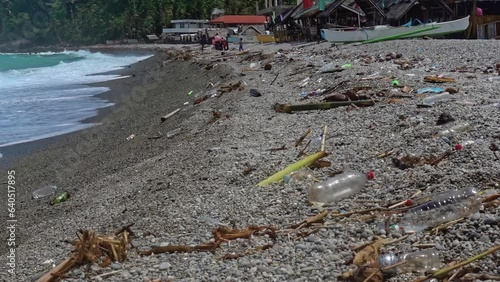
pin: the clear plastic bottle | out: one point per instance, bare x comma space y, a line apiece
494, 78
442, 208
297, 176
433, 99
461, 127
421, 261
44, 191
339, 187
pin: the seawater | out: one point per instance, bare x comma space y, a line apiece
47, 94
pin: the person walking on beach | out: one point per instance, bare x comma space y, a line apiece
241, 44
203, 41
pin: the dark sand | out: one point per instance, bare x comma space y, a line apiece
74, 161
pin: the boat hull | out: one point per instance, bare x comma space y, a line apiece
265, 38
357, 35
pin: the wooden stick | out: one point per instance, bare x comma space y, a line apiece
106, 274
371, 275
275, 78
404, 202
63, 266
447, 224
323, 139
359, 212
287, 108
444, 271
299, 141
164, 118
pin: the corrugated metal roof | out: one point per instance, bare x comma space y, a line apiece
397, 10
240, 19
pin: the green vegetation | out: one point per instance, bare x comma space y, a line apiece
41, 22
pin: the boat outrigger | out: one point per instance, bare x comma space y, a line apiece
386, 32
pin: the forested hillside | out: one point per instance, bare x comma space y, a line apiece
40, 22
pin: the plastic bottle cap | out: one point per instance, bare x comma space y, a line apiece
395, 82
409, 202
458, 147
370, 175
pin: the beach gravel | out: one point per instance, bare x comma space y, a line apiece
176, 190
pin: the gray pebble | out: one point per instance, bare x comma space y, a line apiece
455, 243
485, 239
116, 266
164, 265
491, 220
301, 247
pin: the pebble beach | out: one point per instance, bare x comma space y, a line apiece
177, 180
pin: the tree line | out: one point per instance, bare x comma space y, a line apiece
42, 22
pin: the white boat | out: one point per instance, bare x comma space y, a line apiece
385, 31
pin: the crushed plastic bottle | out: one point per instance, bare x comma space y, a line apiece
467, 143
461, 127
44, 192
316, 142
430, 89
442, 208
421, 261
494, 78
337, 188
298, 176
433, 99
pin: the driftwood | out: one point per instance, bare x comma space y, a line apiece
92, 248
221, 234
437, 79
164, 118
287, 108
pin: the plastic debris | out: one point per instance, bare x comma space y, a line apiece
461, 127
430, 89
61, 198
173, 132
304, 82
422, 261
442, 208
433, 99
298, 176
130, 137
44, 191
339, 187
190, 93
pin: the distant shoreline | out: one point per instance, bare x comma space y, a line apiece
115, 95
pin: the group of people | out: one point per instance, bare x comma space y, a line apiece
219, 42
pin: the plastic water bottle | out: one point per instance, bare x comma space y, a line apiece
431, 100
297, 176
316, 142
339, 187
461, 127
421, 261
44, 191
442, 208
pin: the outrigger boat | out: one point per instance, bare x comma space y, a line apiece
386, 32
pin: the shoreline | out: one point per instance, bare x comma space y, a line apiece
177, 190
116, 94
